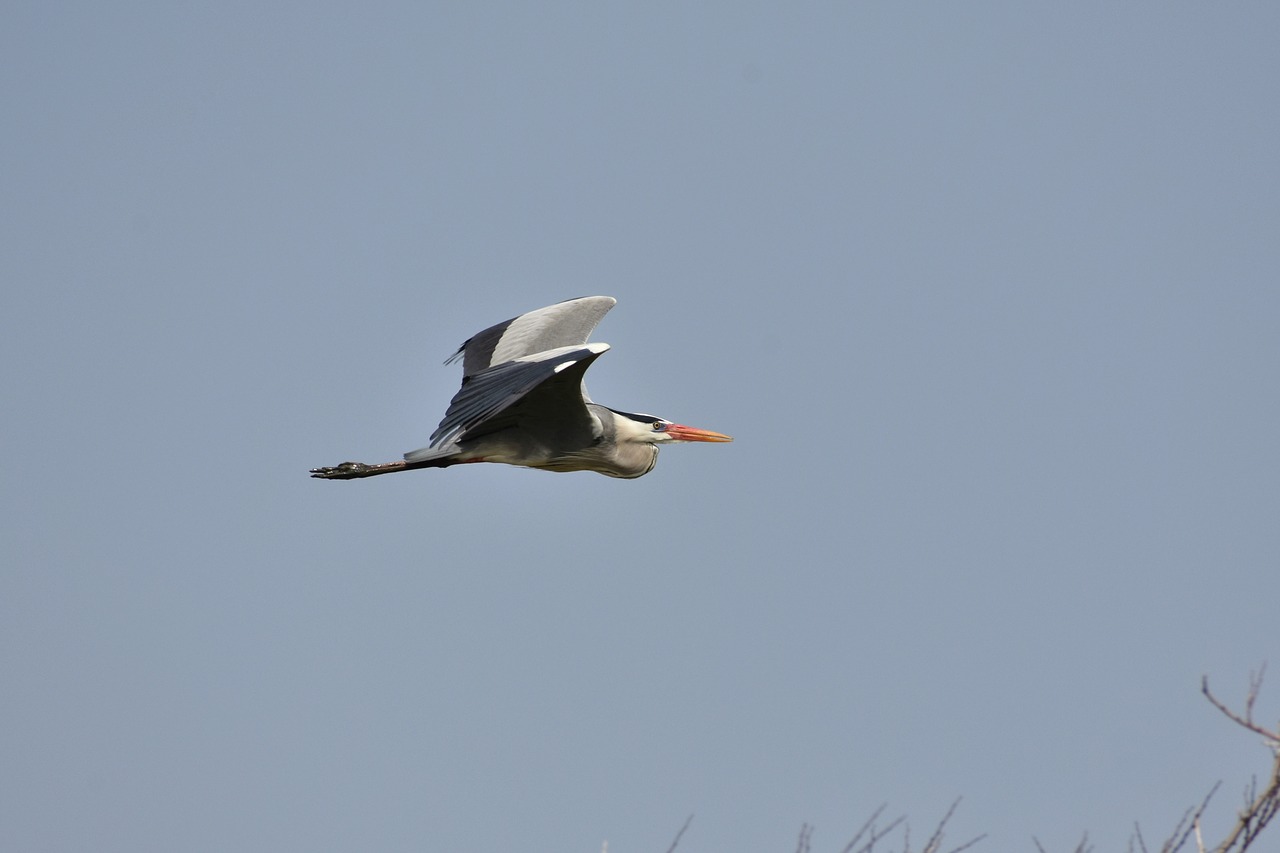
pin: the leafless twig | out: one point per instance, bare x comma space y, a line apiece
1259, 808
1137, 836
1255, 684
934, 844
873, 835
869, 835
802, 844
1188, 825
676, 840
1083, 847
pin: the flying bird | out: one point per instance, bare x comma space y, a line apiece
523, 402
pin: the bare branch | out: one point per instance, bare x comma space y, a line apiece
1255, 815
1259, 808
1255, 684
870, 826
1142, 842
968, 843
802, 844
1082, 847
676, 840
874, 837
1186, 825
934, 844
1247, 720
935, 840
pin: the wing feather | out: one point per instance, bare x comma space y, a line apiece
548, 384
565, 324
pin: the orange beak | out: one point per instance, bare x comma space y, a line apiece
679, 432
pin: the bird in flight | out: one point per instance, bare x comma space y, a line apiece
523, 402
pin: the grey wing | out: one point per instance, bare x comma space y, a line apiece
542, 391
565, 324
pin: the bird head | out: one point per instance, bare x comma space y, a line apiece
650, 429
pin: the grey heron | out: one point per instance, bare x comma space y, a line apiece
523, 402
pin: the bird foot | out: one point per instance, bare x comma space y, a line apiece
345, 471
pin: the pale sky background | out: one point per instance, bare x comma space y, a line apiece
987, 293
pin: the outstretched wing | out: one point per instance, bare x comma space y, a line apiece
565, 324
543, 389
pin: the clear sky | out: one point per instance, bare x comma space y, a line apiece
986, 292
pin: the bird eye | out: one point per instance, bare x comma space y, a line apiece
659, 426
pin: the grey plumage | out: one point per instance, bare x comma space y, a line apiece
564, 324
523, 402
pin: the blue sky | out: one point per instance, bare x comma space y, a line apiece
986, 293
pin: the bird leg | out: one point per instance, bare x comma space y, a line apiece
353, 470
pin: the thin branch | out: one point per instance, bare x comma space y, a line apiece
802, 843
1082, 847
1256, 814
968, 843
935, 840
869, 825
1258, 809
676, 840
1187, 825
874, 836
1255, 684
1142, 842
1247, 720
934, 844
